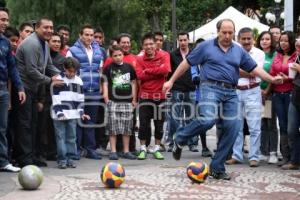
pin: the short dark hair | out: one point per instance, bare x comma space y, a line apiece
56, 34
159, 33
120, 36
149, 35
220, 22
183, 33
87, 26
61, 38
273, 46
63, 27
39, 22
274, 26
70, 63
24, 25
99, 30
199, 40
114, 48
4, 9
11, 31
292, 40
245, 30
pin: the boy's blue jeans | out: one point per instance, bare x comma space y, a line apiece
65, 133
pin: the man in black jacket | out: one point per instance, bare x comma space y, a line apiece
182, 94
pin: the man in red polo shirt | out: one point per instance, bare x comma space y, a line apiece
152, 69
124, 41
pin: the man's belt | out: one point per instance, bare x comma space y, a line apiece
219, 83
247, 87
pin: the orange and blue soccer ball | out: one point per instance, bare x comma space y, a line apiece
197, 171
112, 175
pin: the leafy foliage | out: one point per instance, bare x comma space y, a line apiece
132, 16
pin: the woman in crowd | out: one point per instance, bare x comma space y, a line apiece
269, 132
281, 93
294, 116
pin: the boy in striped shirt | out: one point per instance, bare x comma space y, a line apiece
67, 107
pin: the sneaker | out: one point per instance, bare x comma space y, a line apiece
94, 156
62, 165
193, 148
157, 155
142, 155
232, 161
101, 151
206, 152
176, 151
290, 166
253, 163
10, 168
273, 158
113, 156
129, 155
150, 149
263, 157
220, 175
71, 164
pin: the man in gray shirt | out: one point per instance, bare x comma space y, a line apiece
35, 68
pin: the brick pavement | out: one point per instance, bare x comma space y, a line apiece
153, 179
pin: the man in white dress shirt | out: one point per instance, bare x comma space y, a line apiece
250, 99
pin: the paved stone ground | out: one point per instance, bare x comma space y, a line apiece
153, 179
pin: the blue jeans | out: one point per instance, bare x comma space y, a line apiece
4, 99
281, 103
293, 132
65, 133
215, 102
250, 109
182, 111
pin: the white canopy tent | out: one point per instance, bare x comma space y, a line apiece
209, 30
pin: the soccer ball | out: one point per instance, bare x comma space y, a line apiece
112, 175
197, 171
30, 177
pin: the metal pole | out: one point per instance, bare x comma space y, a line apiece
174, 31
289, 15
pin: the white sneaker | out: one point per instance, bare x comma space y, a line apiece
10, 168
273, 158
150, 149
263, 157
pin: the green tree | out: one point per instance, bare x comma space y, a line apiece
116, 16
